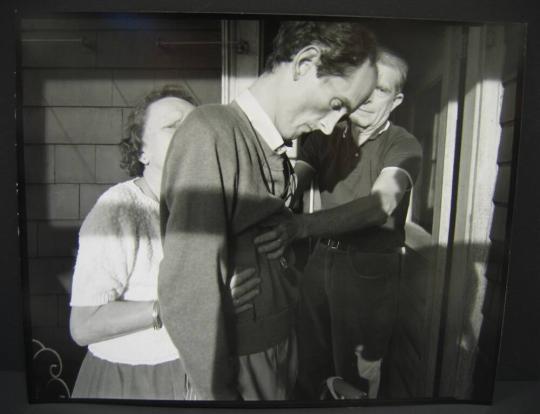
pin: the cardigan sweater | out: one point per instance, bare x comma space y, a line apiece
220, 180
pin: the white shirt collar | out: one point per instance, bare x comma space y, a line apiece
384, 128
261, 121
370, 136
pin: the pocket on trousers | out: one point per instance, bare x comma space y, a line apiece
373, 266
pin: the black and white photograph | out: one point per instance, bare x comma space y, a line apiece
265, 209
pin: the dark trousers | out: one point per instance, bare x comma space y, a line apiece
348, 298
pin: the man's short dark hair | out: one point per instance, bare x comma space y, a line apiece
131, 145
344, 45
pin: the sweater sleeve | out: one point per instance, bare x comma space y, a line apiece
106, 247
197, 192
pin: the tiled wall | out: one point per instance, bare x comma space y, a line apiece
76, 98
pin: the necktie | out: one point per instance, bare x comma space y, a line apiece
289, 179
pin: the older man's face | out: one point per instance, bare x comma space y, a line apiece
385, 98
318, 103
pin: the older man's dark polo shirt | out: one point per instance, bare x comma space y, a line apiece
347, 172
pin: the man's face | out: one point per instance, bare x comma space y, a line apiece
385, 98
318, 103
162, 119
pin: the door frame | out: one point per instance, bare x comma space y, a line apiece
474, 204
239, 67
433, 247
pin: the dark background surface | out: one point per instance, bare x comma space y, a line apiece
519, 358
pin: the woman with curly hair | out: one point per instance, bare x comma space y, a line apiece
115, 311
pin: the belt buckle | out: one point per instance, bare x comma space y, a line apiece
333, 244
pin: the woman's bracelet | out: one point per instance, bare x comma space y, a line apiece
156, 317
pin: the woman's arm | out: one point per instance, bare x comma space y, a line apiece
90, 324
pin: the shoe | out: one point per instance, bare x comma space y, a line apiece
342, 390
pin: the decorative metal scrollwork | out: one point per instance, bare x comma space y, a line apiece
51, 384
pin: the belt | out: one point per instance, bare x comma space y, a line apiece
345, 247
336, 244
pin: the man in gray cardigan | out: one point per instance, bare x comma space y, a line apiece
226, 171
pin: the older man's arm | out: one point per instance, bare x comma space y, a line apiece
373, 210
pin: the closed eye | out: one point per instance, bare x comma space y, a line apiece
173, 125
